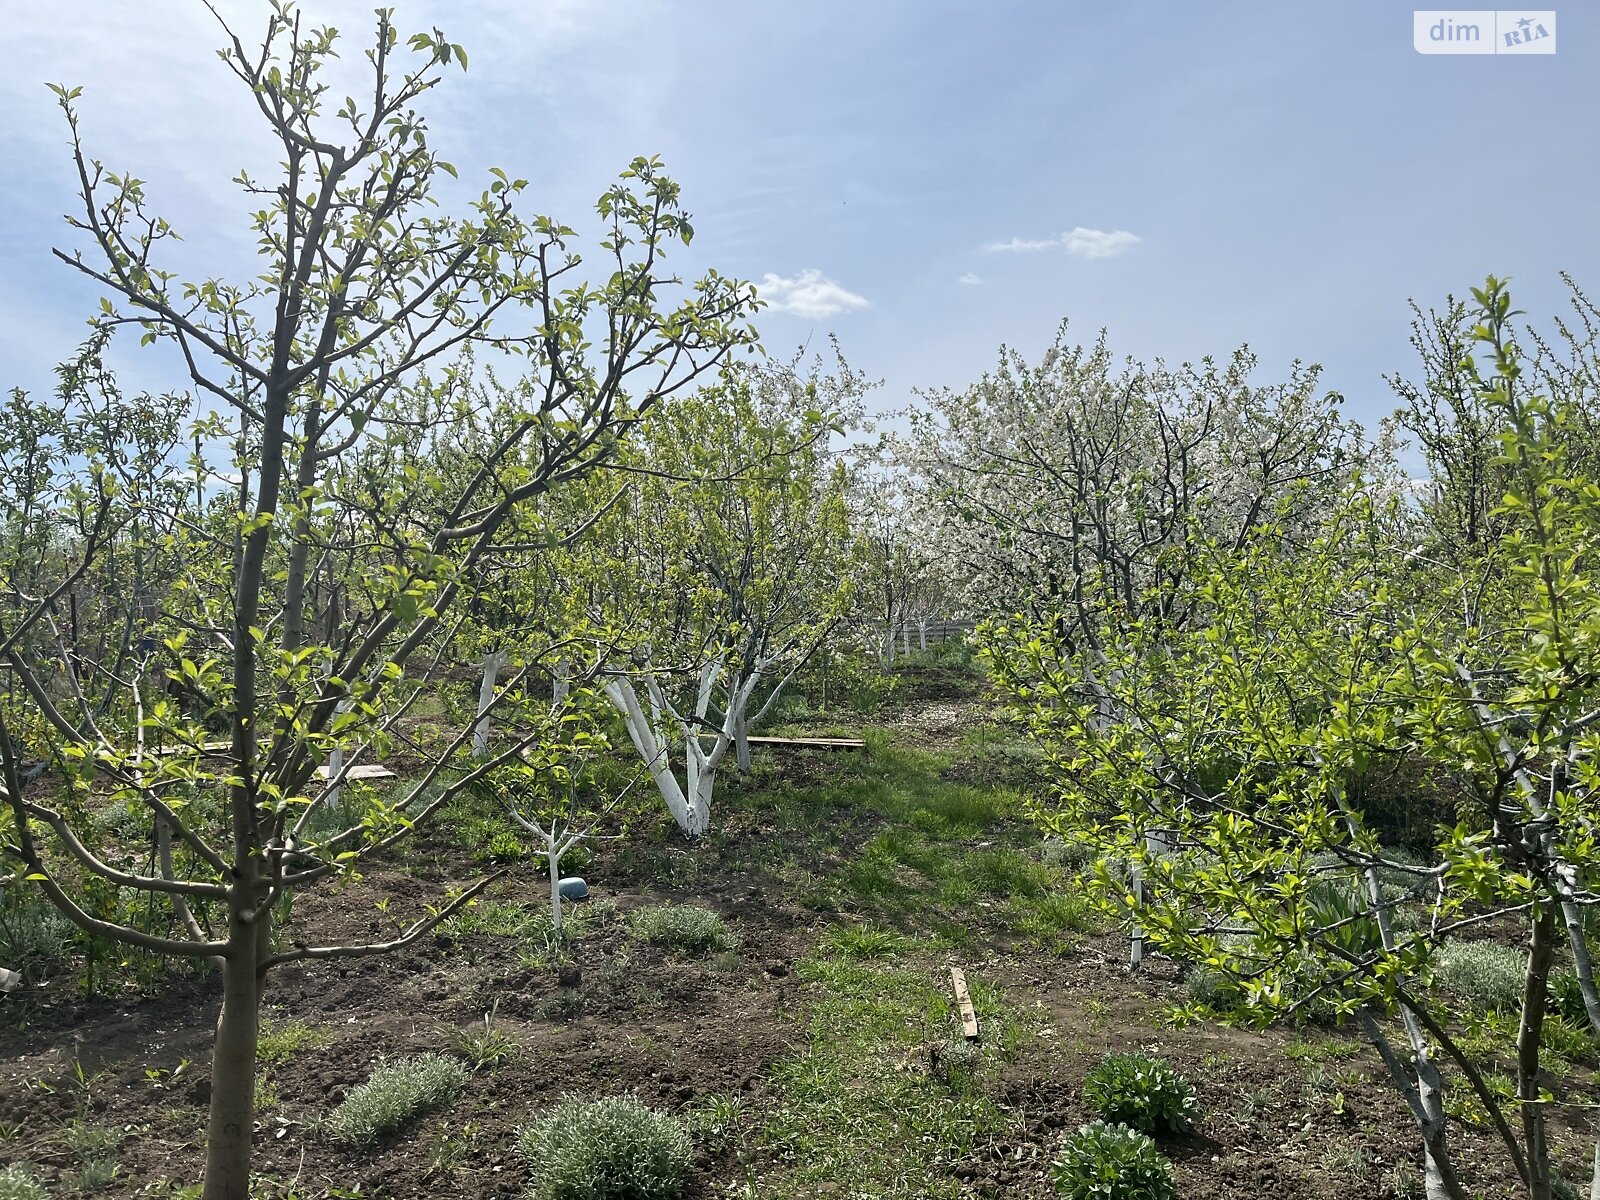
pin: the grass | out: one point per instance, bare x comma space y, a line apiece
281, 1042
396, 1092
870, 1105
485, 1045
1320, 1050
686, 928
939, 856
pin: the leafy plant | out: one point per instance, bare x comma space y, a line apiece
1140, 1091
1112, 1162
396, 1092
613, 1148
686, 928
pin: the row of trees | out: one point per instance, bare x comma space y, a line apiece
419, 463
1321, 723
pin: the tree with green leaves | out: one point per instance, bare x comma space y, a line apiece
733, 566
1244, 767
321, 554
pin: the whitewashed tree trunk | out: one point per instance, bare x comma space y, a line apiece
689, 802
553, 857
905, 636
563, 682
493, 662
336, 762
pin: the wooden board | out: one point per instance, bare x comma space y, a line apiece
814, 743
361, 771
969, 1018
205, 748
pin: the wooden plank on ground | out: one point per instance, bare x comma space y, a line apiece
817, 743
361, 771
969, 1018
205, 748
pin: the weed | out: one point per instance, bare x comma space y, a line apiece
615, 1148
1348, 1158
488, 918
279, 1043
87, 1140
563, 1004
719, 1122
484, 1045
450, 1150
92, 1175
685, 928
394, 1093
1112, 1162
1069, 856
1142, 1092
1404, 1183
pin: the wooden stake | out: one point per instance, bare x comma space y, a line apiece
969, 1019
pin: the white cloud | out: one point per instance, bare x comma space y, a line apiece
970, 279
1022, 245
1078, 241
809, 294
1097, 243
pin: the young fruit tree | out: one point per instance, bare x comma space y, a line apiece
1267, 744
297, 585
735, 568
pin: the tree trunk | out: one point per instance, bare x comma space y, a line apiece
562, 683
922, 635
553, 855
741, 744
1541, 953
492, 662
231, 1126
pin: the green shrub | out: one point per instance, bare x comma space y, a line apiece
396, 1092
1566, 997
1072, 856
616, 1148
1112, 1162
1486, 973
34, 935
685, 928
18, 1182
1142, 1092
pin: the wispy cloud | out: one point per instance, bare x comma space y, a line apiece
1078, 241
808, 294
1023, 245
970, 279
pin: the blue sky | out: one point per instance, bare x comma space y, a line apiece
926, 180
